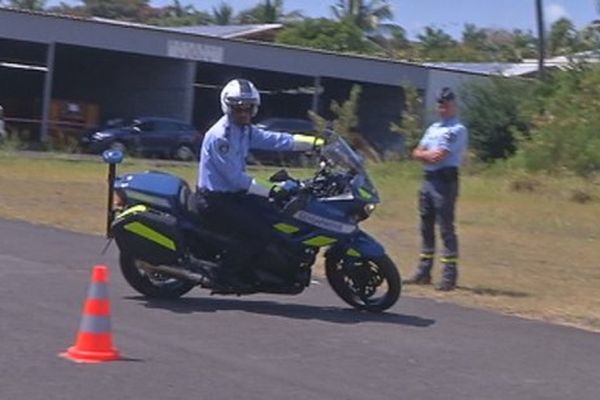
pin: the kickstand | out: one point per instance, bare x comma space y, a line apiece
106, 246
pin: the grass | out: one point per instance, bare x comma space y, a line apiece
530, 245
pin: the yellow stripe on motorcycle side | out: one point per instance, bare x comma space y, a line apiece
286, 228
133, 210
352, 253
320, 241
364, 193
150, 234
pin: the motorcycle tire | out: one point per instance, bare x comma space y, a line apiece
358, 285
152, 285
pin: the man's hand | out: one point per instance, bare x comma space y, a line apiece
282, 192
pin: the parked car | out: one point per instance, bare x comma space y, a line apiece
293, 159
145, 136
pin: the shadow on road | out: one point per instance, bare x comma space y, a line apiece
296, 311
485, 291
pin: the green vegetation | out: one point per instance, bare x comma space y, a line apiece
494, 113
565, 133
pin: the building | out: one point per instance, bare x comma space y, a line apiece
119, 69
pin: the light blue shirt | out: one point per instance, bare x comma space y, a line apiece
449, 135
222, 166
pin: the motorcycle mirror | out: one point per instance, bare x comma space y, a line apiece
112, 156
280, 176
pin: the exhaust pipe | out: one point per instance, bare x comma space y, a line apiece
201, 279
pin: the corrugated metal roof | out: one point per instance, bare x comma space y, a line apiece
226, 31
527, 67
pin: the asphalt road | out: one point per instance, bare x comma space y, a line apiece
305, 347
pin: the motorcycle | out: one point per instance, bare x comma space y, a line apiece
166, 249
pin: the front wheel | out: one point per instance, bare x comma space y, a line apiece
371, 284
152, 284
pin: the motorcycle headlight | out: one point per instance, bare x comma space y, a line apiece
369, 208
364, 212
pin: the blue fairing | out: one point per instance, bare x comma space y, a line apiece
364, 244
159, 189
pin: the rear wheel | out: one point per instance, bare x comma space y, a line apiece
152, 284
371, 284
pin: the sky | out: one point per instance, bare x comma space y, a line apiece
414, 15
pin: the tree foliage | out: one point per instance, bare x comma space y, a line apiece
565, 133
33, 5
327, 35
127, 10
268, 12
368, 16
223, 14
411, 124
493, 112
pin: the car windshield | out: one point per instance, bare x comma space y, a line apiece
339, 152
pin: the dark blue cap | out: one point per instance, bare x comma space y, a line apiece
445, 94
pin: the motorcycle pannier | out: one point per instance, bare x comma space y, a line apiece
148, 235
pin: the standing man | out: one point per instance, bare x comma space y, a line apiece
441, 151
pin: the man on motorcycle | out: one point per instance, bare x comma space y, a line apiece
230, 200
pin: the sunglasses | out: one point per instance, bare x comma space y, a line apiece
242, 108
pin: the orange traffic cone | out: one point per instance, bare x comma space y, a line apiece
94, 339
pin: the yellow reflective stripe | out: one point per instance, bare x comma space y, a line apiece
426, 256
320, 241
364, 193
285, 228
304, 139
352, 253
150, 234
133, 210
449, 259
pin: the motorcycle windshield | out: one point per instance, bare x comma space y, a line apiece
339, 152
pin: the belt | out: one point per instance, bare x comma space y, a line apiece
446, 174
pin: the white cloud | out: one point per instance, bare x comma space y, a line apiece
555, 12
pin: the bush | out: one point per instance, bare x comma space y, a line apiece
494, 115
565, 135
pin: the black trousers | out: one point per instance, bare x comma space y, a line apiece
437, 201
240, 216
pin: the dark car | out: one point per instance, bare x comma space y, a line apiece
289, 125
146, 136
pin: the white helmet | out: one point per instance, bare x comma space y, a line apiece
238, 92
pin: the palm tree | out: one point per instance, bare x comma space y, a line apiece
268, 12
179, 10
223, 15
367, 16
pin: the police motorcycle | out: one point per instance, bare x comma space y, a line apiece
165, 250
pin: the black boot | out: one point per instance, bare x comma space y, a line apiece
422, 276
449, 277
